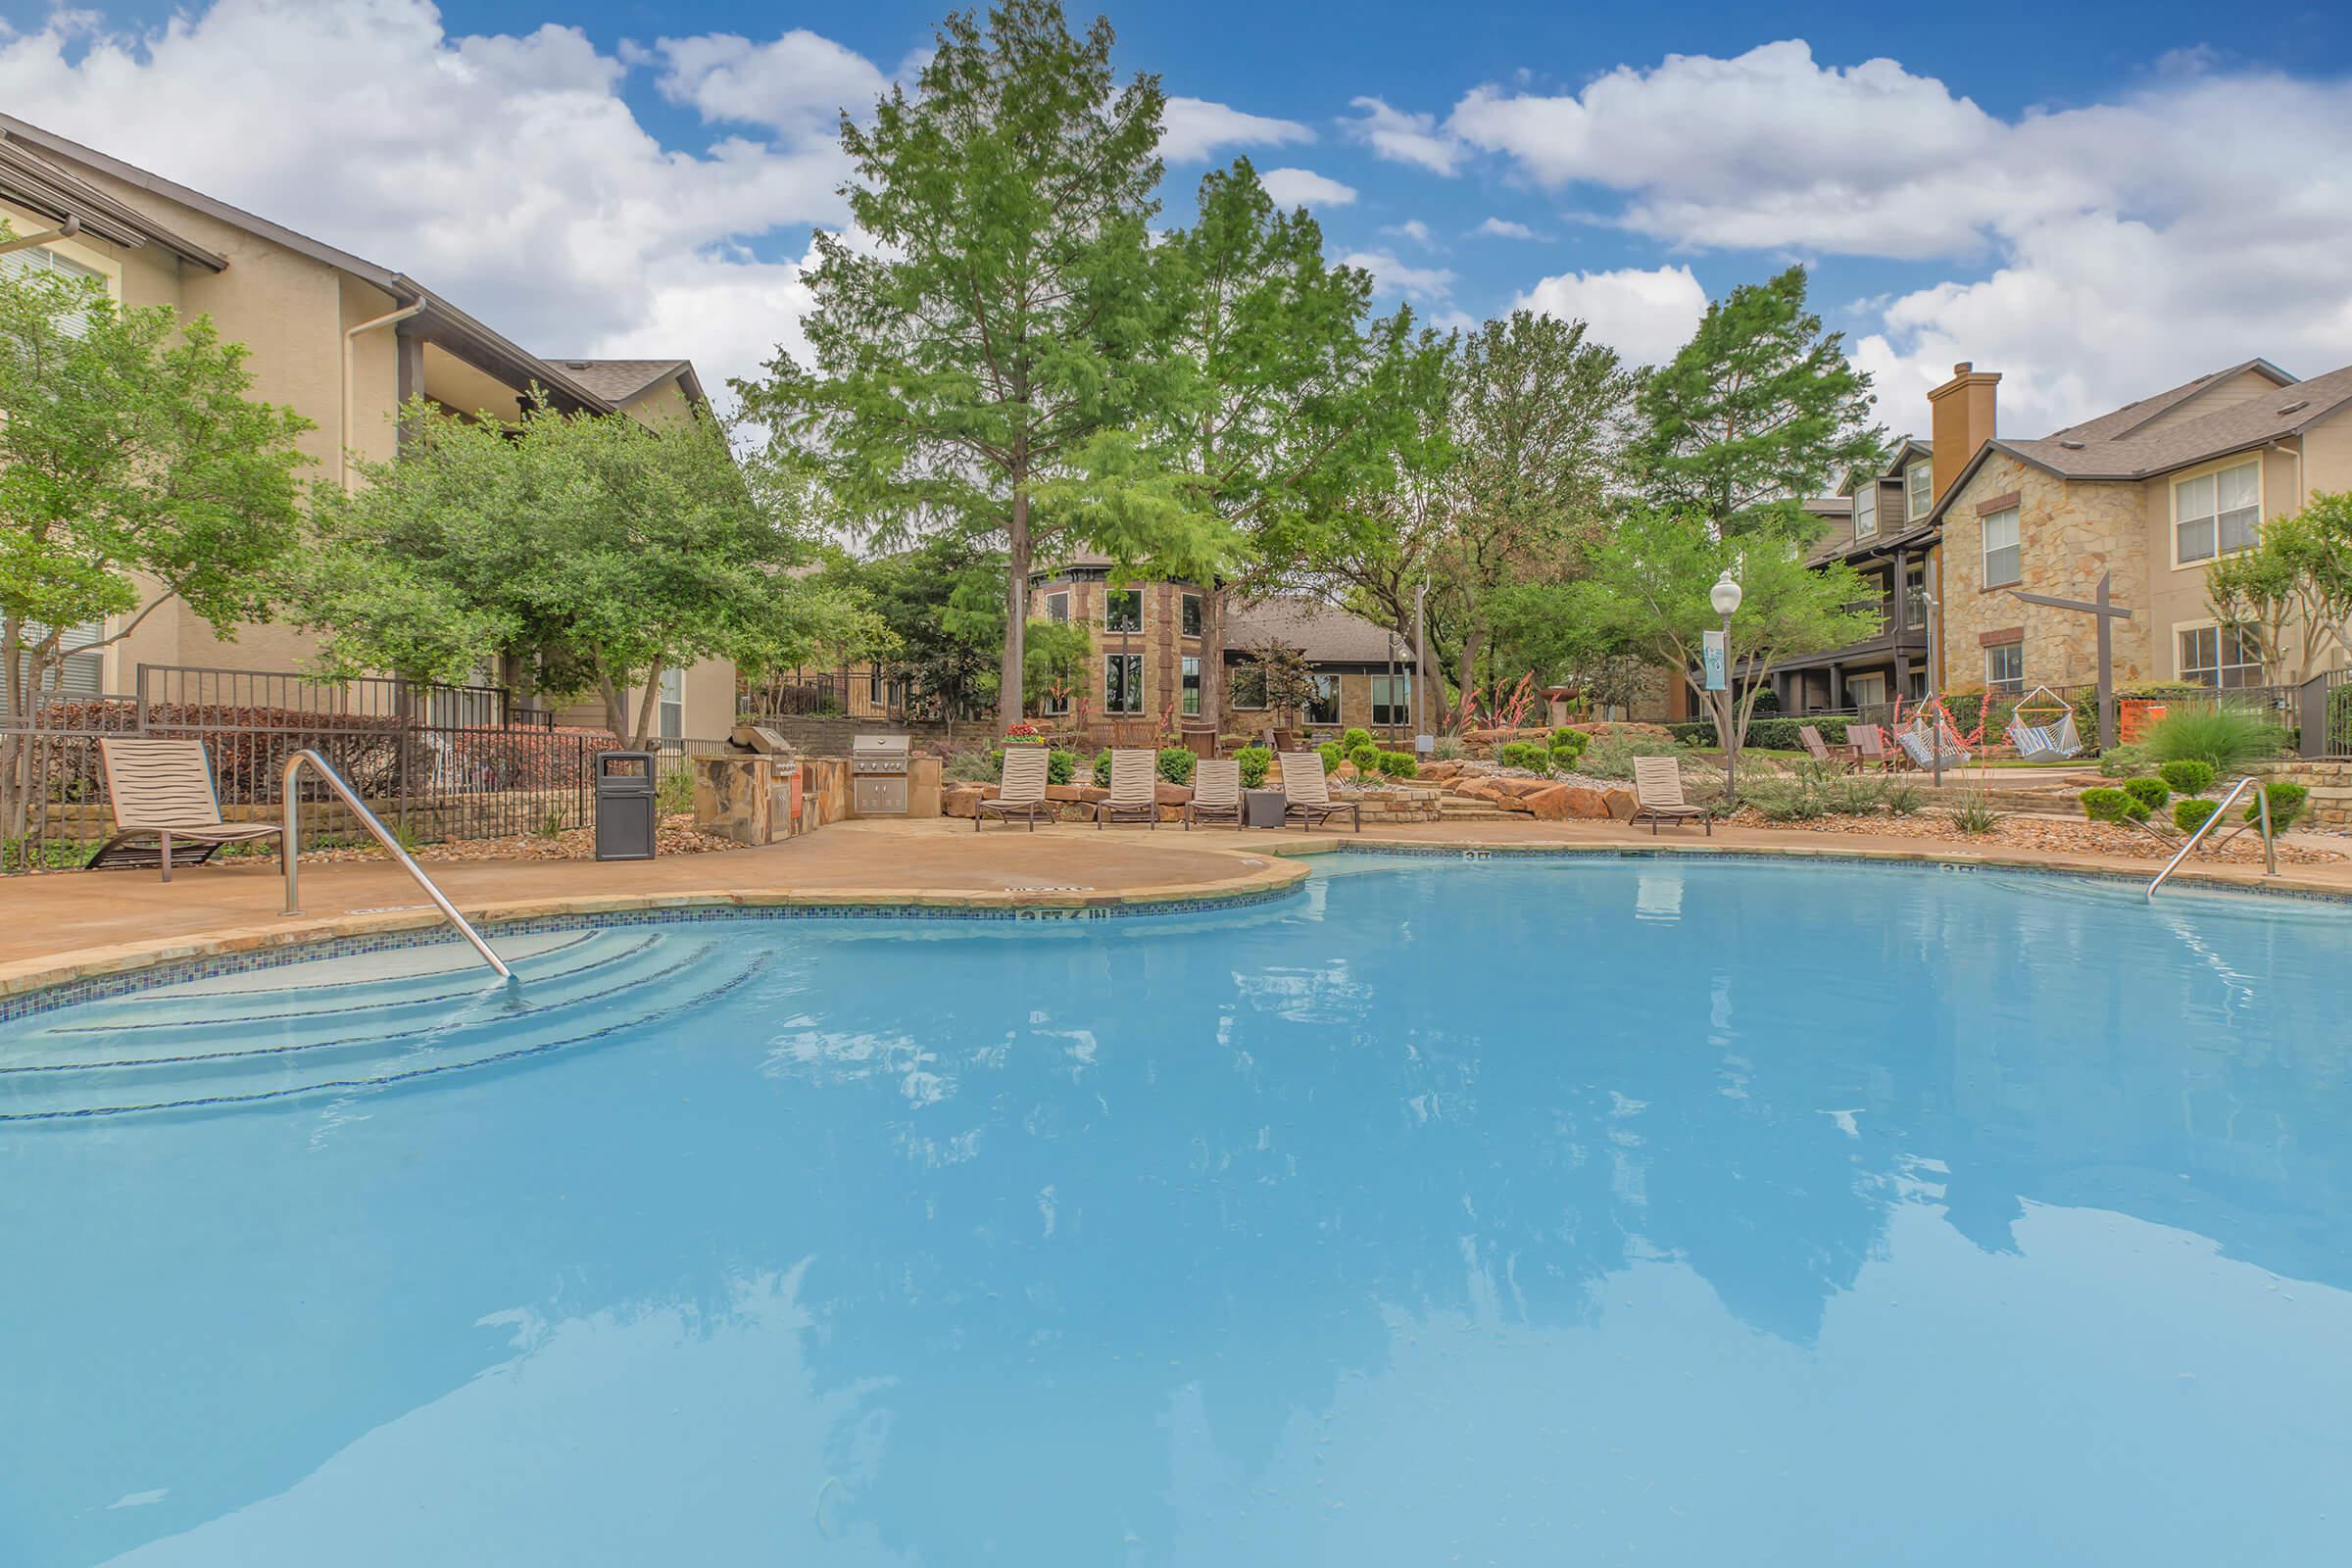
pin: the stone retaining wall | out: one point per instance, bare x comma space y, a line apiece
2331, 787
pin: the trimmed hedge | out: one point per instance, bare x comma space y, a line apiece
1770, 734
2151, 792
2192, 815
2286, 804
1176, 764
1255, 761
2105, 804
2190, 775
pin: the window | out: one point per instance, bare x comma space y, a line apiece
1192, 615
1919, 491
1190, 701
2221, 656
1914, 593
40, 259
1249, 686
1057, 700
2216, 514
1865, 692
2006, 668
1058, 607
1324, 707
1122, 610
2000, 548
1391, 699
1123, 683
81, 673
673, 704
877, 687
1866, 510
1915, 686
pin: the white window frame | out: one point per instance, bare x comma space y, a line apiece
1986, 548
1133, 689
2181, 666
1108, 594
1919, 490
1058, 607
1866, 508
2006, 685
1400, 691
2214, 472
672, 700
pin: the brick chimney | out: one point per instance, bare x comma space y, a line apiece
1960, 420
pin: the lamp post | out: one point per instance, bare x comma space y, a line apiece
1926, 606
1724, 597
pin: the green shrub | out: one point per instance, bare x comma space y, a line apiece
1103, 769
673, 792
1976, 812
1446, 750
1366, 758
1354, 737
2106, 805
1571, 741
2151, 792
1612, 755
1176, 763
2191, 814
1904, 799
1255, 761
1785, 799
1767, 734
2228, 736
2286, 804
1332, 756
2190, 775
1535, 758
1399, 764
2123, 762
972, 768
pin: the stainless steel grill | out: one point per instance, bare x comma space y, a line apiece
878, 775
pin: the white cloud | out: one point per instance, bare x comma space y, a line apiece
1392, 276
1411, 228
1644, 314
2119, 247
1405, 138
1504, 228
1193, 129
506, 171
1294, 187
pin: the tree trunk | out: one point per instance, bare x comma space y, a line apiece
1016, 611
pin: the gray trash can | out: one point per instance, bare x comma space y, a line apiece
624, 806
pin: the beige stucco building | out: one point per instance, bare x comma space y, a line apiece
336, 337
2152, 493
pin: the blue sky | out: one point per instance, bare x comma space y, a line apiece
2097, 200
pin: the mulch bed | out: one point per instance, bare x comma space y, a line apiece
674, 835
2051, 834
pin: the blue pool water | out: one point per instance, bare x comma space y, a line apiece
1510, 1212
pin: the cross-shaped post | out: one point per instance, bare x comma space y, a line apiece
2108, 612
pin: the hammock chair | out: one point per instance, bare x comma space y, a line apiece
2044, 742
1918, 740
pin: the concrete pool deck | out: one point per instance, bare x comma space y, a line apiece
65, 926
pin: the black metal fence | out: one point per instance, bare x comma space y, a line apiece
434, 763
856, 691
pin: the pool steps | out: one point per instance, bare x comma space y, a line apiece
220, 1042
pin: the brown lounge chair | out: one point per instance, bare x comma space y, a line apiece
1134, 788
1023, 794
1870, 747
1307, 792
1216, 794
1819, 748
162, 789
1658, 795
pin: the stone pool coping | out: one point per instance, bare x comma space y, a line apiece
1262, 866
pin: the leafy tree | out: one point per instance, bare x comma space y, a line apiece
1760, 409
942, 605
2295, 583
1646, 593
1278, 676
135, 471
595, 550
995, 316
1057, 657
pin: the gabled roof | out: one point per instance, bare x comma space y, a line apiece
2120, 447
38, 185
620, 382
1903, 453
1323, 635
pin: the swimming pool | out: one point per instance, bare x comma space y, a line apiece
1518, 1211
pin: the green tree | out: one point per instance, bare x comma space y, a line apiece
1646, 593
1057, 657
135, 473
995, 315
592, 551
2293, 590
1760, 409
942, 604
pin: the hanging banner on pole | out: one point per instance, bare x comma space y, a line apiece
1715, 658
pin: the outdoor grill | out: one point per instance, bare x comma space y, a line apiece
878, 775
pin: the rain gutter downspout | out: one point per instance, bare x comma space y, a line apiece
65, 230
350, 344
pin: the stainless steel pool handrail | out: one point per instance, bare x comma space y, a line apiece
368, 819
2270, 843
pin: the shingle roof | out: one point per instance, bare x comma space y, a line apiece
618, 380
1323, 633
2120, 446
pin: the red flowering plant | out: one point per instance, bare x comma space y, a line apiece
1024, 733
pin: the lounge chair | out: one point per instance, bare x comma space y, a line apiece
1216, 794
1307, 792
1658, 795
1134, 788
1819, 748
1023, 794
1870, 747
162, 789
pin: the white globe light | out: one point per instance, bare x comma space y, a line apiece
1725, 594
